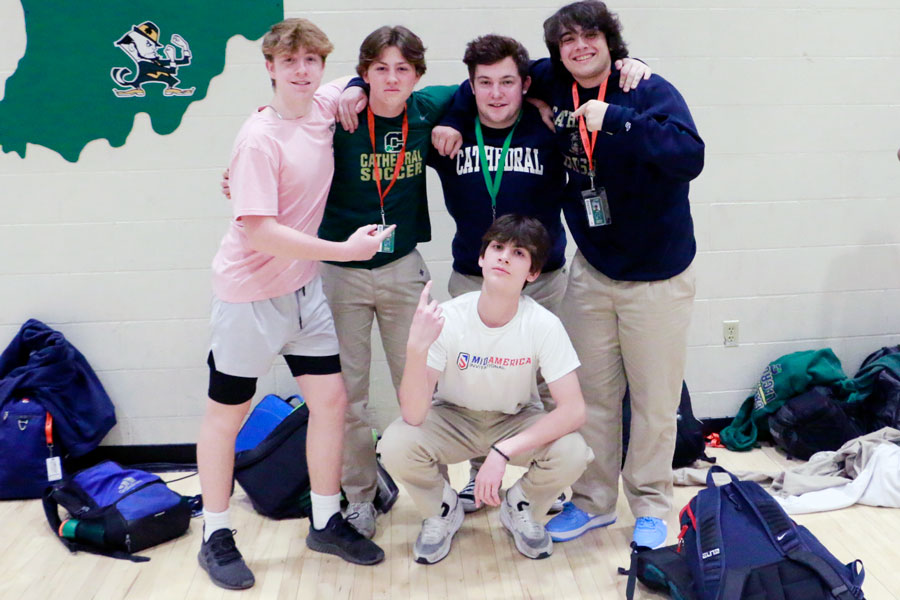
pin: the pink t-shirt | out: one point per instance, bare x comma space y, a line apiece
279, 168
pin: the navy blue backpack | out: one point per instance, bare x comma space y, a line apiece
737, 543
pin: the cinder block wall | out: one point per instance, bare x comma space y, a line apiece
796, 211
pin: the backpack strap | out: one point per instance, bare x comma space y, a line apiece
778, 526
708, 515
839, 589
632, 573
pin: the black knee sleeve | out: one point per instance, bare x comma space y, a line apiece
229, 389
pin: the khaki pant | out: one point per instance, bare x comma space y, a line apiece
356, 296
451, 434
630, 333
547, 290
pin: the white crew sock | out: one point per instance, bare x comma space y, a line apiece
323, 508
213, 522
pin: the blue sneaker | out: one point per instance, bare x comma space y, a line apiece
573, 522
650, 532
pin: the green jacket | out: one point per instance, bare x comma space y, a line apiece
793, 374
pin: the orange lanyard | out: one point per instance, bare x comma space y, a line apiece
582, 128
397, 166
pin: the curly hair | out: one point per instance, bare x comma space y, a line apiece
587, 15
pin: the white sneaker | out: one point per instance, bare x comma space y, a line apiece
361, 516
531, 538
437, 533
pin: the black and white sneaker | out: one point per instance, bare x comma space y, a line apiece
436, 536
467, 498
339, 538
557, 505
220, 558
530, 537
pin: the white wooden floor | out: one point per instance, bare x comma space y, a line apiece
483, 563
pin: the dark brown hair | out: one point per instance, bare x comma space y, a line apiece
398, 36
491, 49
588, 15
522, 231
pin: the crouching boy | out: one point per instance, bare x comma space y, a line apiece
482, 352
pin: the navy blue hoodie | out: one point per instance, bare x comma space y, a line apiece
42, 365
646, 154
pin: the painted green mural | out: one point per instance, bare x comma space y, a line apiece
91, 65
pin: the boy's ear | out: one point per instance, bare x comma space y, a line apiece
532, 276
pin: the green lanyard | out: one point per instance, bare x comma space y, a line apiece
493, 187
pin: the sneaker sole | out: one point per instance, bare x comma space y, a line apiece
565, 536
318, 546
222, 584
469, 506
523, 548
442, 552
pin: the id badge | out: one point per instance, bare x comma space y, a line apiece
387, 244
54, 469
597, 207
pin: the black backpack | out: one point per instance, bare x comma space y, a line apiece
812, 422
273, 473
115, 511
737, 543
690, 444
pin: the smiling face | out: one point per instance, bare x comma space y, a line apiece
391, 80
506, 263
498, 92
586, 56
296, 75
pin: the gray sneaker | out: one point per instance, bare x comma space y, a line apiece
436, 535
361, 516
220, 558
531, 538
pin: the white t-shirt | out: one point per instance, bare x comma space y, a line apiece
495, 368
279, 168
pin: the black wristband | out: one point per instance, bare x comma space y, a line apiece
499, 451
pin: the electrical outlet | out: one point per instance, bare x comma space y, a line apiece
730, 333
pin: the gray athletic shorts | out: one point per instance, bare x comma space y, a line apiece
247, 336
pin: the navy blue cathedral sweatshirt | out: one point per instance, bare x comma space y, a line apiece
533, 183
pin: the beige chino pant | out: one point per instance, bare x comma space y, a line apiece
357, 296
451, 434
630, 333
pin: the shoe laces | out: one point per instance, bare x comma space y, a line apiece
646, 524
434, 529
356, 510
223, 548
469, 490
521, 512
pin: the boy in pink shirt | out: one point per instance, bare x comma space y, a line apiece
268, 297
